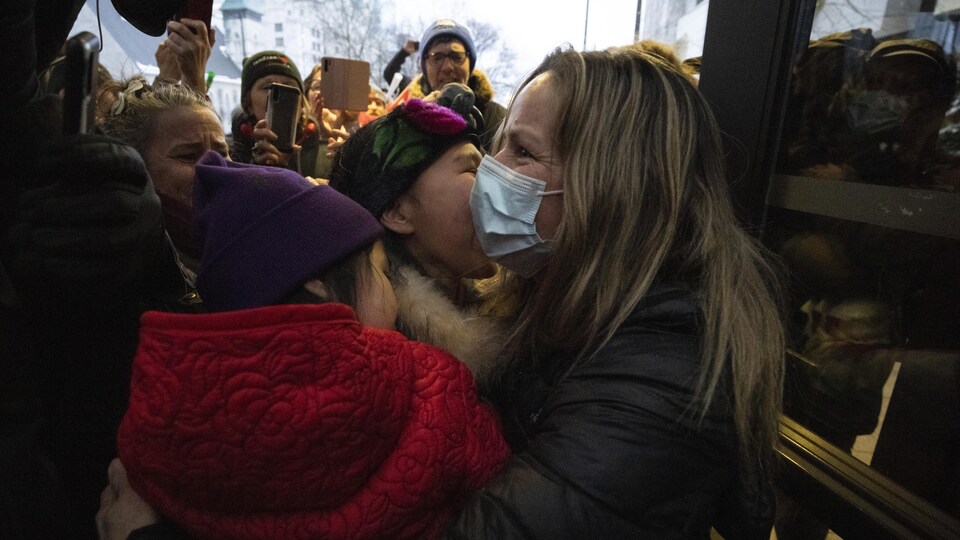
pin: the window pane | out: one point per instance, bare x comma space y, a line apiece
681, 24
865, 213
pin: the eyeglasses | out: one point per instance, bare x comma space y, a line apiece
437, 58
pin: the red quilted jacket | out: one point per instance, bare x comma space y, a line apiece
296, 421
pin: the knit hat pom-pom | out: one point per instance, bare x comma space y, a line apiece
434, 118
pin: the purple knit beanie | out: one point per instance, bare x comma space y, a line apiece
264, 231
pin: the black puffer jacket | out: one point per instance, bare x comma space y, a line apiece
613, 449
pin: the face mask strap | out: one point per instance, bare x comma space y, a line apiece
547, 193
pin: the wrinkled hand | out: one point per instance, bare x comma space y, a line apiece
167, 62
122, 510
264, 152
336, 140
191, 42
92, 217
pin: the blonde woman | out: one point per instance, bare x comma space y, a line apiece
644, 388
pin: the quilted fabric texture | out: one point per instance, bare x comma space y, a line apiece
298, 422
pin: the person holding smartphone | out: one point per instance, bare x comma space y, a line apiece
253, 140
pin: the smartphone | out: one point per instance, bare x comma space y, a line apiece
283, 108
81, 60
345, 83
200, 10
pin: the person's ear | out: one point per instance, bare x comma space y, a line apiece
396, 217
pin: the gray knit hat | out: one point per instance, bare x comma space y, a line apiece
448, 28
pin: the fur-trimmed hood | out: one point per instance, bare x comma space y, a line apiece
426, 314
478, 82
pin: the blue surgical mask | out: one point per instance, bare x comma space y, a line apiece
504, 204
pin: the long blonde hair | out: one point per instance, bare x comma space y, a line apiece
646, 201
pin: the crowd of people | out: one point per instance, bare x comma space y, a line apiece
441, 318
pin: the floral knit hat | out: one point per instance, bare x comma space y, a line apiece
385, 157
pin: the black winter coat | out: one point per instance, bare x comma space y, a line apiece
613, 448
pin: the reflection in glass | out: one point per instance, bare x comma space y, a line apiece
875, 307
872, 111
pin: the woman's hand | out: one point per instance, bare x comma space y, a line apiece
167, 62
411, 46
191, 42
122, 511
335, 141
315, 99
264, 152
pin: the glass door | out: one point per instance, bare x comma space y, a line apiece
864, 211
844, 124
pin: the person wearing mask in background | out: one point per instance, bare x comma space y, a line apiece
253, 140
355, 431
448, 55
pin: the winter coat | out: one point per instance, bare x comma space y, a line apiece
296, 421
610, 446
426, 313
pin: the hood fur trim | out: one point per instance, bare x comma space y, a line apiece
478, 82
426, 314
